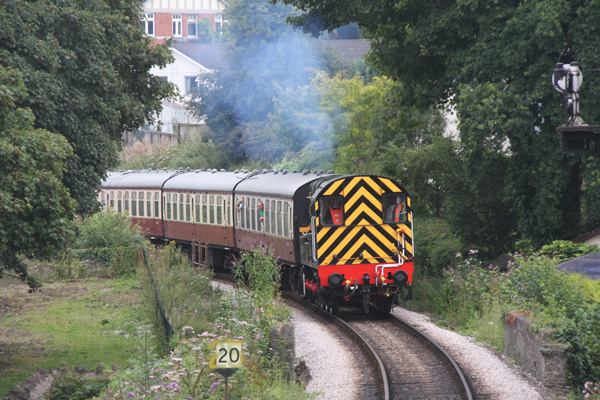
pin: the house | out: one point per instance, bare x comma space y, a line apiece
184, 19
193, 58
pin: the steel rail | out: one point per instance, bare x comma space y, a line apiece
455, 367
352, 333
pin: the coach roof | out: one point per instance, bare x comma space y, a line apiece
209, 181
276, 183
148, 179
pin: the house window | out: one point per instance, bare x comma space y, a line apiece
148, 23
177, 23
191, 82
192, 20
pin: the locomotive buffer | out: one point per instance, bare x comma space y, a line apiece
575, 135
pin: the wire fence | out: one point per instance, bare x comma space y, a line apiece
162, 315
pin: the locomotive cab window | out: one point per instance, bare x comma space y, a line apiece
394, 208
332, 210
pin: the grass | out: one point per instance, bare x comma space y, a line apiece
69, 323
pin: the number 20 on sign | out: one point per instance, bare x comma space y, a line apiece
227, 354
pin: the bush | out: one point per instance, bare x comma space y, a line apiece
436, 246
563, 250
109, 239
73, 386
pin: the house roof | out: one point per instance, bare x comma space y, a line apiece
209, 55
587, 265
587, 236
212, 56
350, 49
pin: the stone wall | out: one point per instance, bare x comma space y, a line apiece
152, 137
537, 353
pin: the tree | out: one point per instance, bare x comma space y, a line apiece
35, 206
492, 61
270, 64
86, 66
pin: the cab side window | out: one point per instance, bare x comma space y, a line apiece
331, 210
394, 208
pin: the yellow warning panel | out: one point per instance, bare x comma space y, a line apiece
227, 354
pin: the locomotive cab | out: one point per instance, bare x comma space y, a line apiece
359, 246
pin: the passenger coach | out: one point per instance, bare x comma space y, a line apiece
338, 237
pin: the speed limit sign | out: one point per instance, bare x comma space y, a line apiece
227, 354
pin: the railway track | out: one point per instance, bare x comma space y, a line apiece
399, 361
396, 360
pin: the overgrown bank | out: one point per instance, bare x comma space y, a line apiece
97, 306
476, 297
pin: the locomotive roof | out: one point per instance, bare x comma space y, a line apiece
276, 183
211, 180
147, 179
318, 186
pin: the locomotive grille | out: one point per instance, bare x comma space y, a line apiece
364, 232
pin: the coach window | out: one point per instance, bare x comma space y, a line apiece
219, 209
174, 206
156, 205
126, 200
394, 206
204, 209
197, 208
188, 207
267, 223
279, 219
134, 204
239, 212
181, 206
252, 216
246, 212
120, 202
227, 205
149, 204
211, 209
167, 203
286, 219
141, 204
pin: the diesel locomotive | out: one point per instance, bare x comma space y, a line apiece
340, 238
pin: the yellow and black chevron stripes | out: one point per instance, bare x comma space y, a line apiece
363, 238
376, 244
